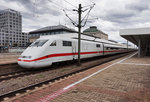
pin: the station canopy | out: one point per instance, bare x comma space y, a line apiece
137, 34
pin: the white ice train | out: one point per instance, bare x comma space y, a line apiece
56, 48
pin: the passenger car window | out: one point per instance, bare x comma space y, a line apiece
38, 43
53, 43
67, 43
98, 45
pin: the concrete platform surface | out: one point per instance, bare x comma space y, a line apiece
123, 80
6, 58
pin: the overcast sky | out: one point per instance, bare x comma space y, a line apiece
112, 14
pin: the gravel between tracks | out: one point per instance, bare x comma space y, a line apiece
19, 82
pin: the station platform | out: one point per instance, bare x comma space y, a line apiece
125, 79
7, 58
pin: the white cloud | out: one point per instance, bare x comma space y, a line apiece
113, 14
13, 5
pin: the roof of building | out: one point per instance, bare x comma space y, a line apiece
135, 31
93, 29
53, 28
9, 10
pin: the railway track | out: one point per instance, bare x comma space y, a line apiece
31, 87
25, 72
10, 68
14, 73
8, 76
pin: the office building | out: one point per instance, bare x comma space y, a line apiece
11, 29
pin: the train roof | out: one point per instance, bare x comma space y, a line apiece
75, 35
83, 36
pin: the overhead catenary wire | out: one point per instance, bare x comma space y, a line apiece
34, 7
73, 22
70, 3
88, 5
86, 16
58, 6
92, 1
71, 13
93, 17
91, 20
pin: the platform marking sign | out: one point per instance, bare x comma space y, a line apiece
138, 64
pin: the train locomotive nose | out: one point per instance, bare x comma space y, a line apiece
25, 64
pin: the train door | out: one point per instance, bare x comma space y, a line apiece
74, 50
103, 48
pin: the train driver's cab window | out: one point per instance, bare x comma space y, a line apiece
67, 43
53, 43
98, 45
38, 43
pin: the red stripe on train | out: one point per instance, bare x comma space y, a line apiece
63, 54
58, 55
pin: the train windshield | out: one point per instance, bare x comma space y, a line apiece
38, 43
